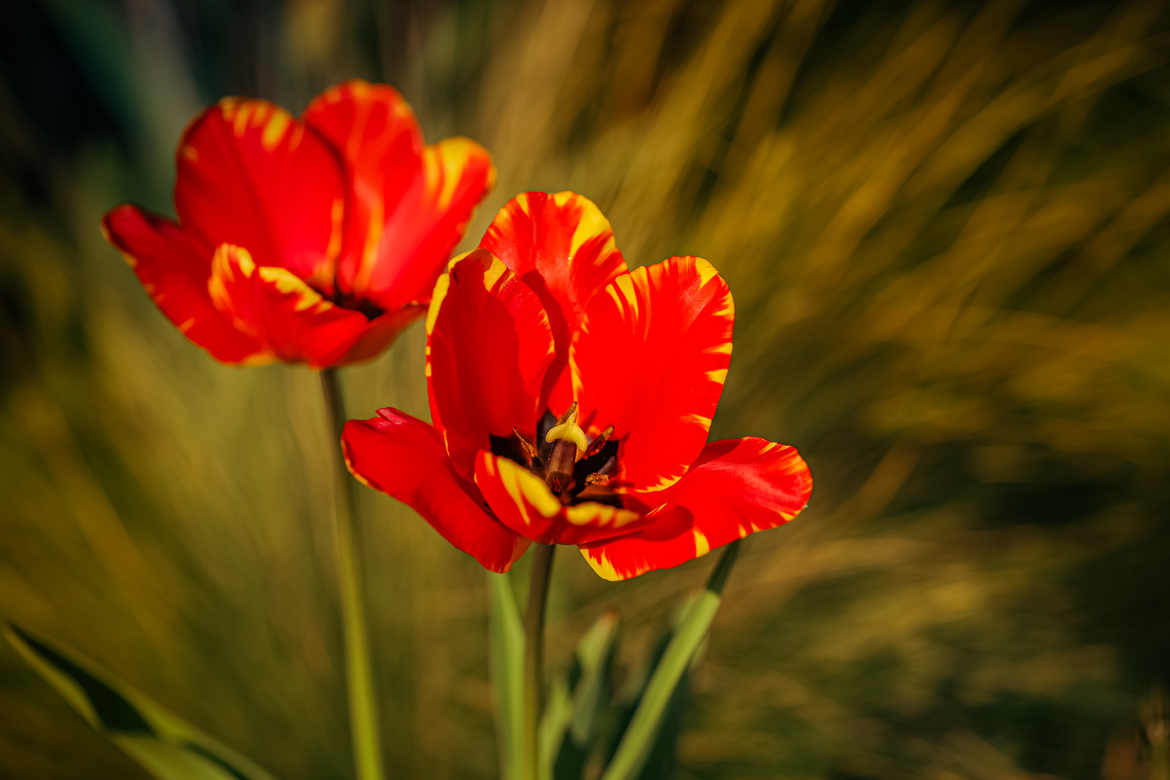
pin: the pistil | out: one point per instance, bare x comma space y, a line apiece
567, 439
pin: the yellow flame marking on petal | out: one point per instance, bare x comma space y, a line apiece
374, 225
696, 419
718, 349
442, 285
625, 286
240, 121
223, 269
189, 153
336, 215
600, 515
522, 203
705, 270
665, 481
261, 358
288, 283
349, 465
452, 156
702, 545
727, 310
598, 561
493, 273
275, 129
527, 490
719, 376
591, 222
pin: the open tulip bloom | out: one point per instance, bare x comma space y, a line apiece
571, 400
312, 240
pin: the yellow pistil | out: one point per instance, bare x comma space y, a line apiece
568, 430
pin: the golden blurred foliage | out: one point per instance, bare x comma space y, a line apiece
946, 227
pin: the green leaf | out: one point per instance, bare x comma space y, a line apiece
162, 743
507, 653
640, 739
579, 701
660, 755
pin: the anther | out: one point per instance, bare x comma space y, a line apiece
527, 446
599, 480
598, 442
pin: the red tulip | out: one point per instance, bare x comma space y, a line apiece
311, 240
571, 401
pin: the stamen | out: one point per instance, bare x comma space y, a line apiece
598, 480
570, 413
527, 446
598, 442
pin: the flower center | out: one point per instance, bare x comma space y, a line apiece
371, 310
575, 467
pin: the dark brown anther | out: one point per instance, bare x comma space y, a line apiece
527, 446
571, 414
598, 442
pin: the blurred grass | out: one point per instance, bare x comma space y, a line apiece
945, 225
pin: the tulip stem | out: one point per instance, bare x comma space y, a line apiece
638, 741
538, 581
363, 705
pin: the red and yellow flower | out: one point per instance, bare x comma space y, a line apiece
312, 240
571, 400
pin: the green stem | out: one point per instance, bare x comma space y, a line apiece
363, 706
538, 582
635, 746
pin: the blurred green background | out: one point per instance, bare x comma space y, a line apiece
947, 229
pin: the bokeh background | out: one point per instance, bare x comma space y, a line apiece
947, 229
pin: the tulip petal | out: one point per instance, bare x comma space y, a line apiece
737, 487
523, 502
404, 458
409, 204
251, 175
562, 247
488, 346
650, 359
174, 267
288, 316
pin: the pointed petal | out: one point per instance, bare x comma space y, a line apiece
650, 359
251, 175
523, 502
562, 247
488, 346
286, 315
737, 487
174, 268
409, 204
403, 457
